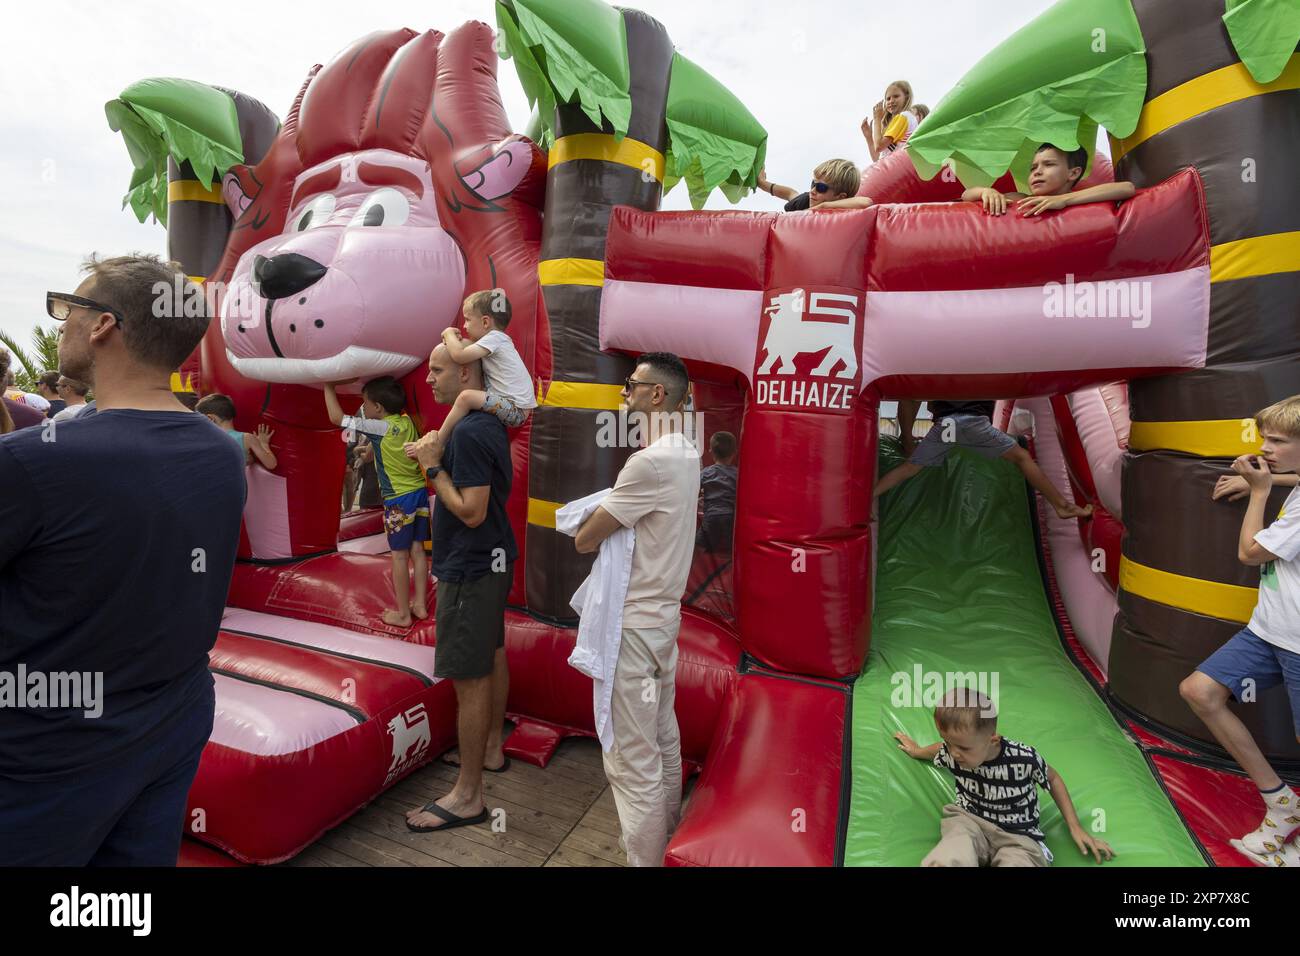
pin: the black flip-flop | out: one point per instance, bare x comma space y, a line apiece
453, 821
505, 765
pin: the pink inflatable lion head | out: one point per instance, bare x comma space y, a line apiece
355, 237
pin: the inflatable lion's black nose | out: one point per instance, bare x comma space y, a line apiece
282, 276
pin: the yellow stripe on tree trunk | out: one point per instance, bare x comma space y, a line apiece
584, 395
602, 146
571, 272
1207, 92
1228, 438
1256, 256
191, 189
1229, 602
542, 513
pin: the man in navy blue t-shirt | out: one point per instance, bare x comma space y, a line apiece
118, 533
473, 558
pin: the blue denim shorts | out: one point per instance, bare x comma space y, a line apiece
1248, 656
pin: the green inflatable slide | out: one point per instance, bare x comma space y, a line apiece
959, 598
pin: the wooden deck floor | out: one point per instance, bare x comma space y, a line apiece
560, 816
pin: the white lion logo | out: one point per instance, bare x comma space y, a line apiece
410, 732
789, 335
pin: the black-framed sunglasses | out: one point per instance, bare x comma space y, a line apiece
59, 306
631, 383
819, 186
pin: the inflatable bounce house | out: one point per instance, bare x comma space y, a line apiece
1130, 344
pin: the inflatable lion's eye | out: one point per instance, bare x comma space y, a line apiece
383, 207
317, 213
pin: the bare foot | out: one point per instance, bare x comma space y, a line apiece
397, 619
1071, 510
419, 610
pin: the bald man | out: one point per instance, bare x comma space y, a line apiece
473, 558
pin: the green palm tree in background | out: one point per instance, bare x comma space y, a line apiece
28, 365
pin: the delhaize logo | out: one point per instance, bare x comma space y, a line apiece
411, 738
809, 353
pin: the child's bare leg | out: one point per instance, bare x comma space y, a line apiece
401, 615
907, 411
470, 400
895, 478
420, 564
1209, 701
1043, 485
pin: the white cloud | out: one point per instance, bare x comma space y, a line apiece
809, 72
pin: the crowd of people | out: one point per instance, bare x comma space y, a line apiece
140, 463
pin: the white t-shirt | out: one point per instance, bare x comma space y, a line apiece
505, 371
1277, 613
656, 493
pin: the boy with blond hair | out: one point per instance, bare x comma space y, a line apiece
995, 820
834, 186
1266, 652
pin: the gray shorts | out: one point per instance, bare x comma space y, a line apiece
973, 432
510, 414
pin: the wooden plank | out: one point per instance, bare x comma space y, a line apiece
362, 847
389, 847
594, 843
318, 855
569, 856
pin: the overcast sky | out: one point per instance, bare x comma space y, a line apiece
809, 72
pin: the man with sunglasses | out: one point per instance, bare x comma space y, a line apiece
118, 534
655, 494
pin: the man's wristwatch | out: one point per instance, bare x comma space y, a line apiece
432, 473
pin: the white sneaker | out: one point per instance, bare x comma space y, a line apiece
1287, 855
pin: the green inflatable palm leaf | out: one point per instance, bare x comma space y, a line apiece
713, 140
1264, 33
568, 51
1080, 64
190, 122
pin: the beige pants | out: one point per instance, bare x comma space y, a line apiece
968, 840
644, 766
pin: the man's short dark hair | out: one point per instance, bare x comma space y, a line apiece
722, 444
49, 379
159, 326
387, 393
188, 399
494, 303
222, 406
671, 374
1075, 157
5, 360
76, 384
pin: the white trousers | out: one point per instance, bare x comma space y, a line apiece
644, 766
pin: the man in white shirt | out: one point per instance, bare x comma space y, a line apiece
1266, 652
655, 494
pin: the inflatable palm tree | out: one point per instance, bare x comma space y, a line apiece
623, 116
1215, 85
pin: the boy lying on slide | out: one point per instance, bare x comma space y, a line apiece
967, 425
995, 819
